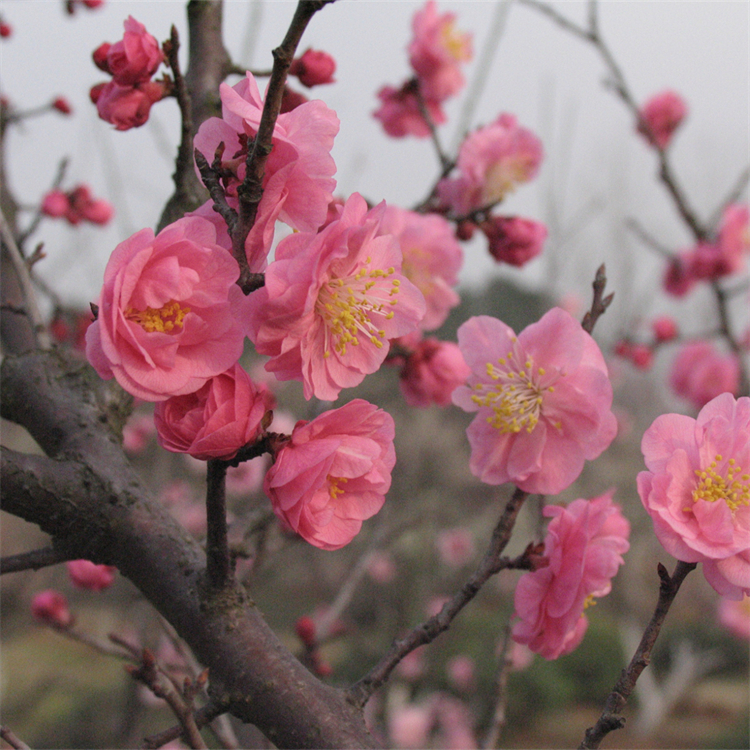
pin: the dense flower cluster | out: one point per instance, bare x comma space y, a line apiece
697, 489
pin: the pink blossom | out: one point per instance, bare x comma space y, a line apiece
642, 356
137, 432
217, 420
136, 57
126, 107
492, 161
432, 259
543, 400
679, 278
333, 473
735, 616
436, 52
87, 575
99, 56
166, 321
409, 726
51, 608
700, 373
298, 180
331, 301
455, 546
432, 372
400, 115
76, 206
584, 544
697, 489
514, 240
313, 68
412, 666
660, 116
381, 567
664, 328
461, 672
55, 204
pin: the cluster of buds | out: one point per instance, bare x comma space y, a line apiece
76, 206
126, 100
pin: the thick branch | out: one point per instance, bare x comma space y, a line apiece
87, 496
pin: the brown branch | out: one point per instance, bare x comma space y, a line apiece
428, 631
501, 694
201, 716
610, 718
212, 181
217, 548
445, 162
250, 191
599, 304
635, 227
34, 560
12, 739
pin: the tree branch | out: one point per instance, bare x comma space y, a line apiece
34, 560
600, 303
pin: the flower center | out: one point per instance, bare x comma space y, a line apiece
346, 306
515, 395
163, 320
333, 486
732, 489
453, 41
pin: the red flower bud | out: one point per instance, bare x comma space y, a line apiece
313, 68
305, 628
100, 57
62, 105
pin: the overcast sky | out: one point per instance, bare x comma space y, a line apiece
594, 166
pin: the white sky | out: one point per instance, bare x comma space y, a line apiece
550, 80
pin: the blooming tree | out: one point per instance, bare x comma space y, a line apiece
205, 316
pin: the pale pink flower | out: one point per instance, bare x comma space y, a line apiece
700, 373
461, 672
87, 575
664, 328
454, 723
166, 320
492, 161
660, 116
51, 608
137, 432
313, 68
135, 58
400, 115
455, 546
409, 726
697, 489
584, 544
412, 666
333, 473
432, 372
514, 240
298, 179
734, 614
126, 107
217, 420
331, 302
179, 497
436, 52
381, 567
543, 400
432, 259
732, 243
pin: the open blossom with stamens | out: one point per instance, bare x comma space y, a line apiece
543, 401
166, 313
298, 179
432, 259
584, 545
333, 473
697, 489
492, 161
331, 302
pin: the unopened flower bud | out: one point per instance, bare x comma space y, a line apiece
51, 608
55, 204
313, 68
100, 57
664, 328
62, 105
88, 575
291, 100
305, 628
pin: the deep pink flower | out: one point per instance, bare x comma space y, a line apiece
76, 206
313, 68
432, 259
679, 278
700, 373
331, 301
584, 544
135, 58
436, 52
664, 328
735, 616
543, 400
400, 115
217, 420
51, 608
126, 107
333, 473
87, 575
514, 240
660, 116
298, 180
99, 56
492, 161
697, 489
6, 30
55, 204
432, 372
166, 321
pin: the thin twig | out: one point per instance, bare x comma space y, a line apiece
217, 548
34, 560
501, 694
733, 195
635, 227
201, 716
491, 563
599, 304
61, 168
610, 718
211, 180
445, 161
12, 739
